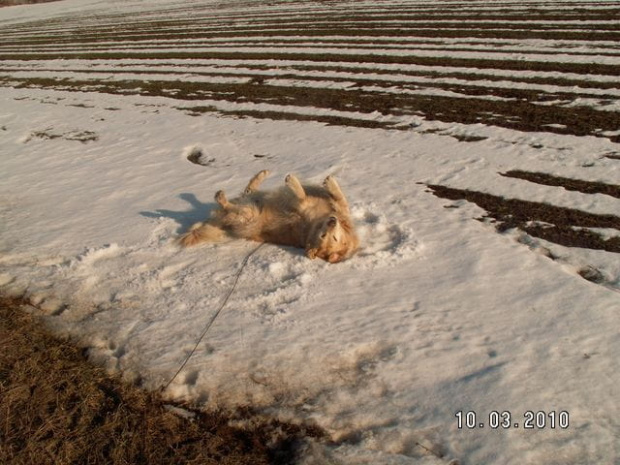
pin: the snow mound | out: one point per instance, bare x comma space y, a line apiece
382, 243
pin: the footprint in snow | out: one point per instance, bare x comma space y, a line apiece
197, 156
93, 255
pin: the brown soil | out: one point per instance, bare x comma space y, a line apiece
22, 2
586, 187
56, 409
555, 224
523, 109
516, 114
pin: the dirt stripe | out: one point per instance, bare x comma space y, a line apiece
480, 86
586, 187
554, 224
380, 31
519, 115
437, 18
148, 44
516, 65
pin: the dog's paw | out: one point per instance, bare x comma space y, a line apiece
256, 181
311, 253
333, 188
293, 184
220, 198
196, 226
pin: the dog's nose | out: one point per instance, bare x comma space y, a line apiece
332, 221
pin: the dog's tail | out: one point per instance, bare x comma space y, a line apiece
201, 232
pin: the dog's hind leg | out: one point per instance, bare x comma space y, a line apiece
233, 210
255, 182
335, 192
221, 199
294, 185
235, 218
202, 232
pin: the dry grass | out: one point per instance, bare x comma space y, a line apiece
56, 408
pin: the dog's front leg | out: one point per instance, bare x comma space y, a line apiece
255, 182
294, 185
221, 199
335, 192
311, 252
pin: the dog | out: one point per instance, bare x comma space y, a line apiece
314, 218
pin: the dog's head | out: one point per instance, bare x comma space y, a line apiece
332, 239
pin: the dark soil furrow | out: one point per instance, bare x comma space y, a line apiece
183, 38
330, 120
586, 187
435, 18
555, 224
529, 94
523, 109
519, 115
487, 91
401, 22
516, 65
309, 44
386, 13
312, 22
379, 31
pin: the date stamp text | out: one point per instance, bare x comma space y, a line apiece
528, 420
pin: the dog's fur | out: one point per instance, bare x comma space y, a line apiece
314, 218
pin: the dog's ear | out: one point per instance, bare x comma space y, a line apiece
346, 223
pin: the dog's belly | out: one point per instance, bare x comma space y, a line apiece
282, 228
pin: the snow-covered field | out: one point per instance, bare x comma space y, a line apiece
431, 115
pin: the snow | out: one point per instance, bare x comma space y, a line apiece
437, 314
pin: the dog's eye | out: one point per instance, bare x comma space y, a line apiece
323, 235
335, 238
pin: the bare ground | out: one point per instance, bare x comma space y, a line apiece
56, 409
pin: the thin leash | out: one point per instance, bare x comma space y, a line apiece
215, 315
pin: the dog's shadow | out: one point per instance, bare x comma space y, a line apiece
199, 211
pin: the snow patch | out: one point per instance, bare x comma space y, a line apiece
383, 244
6, 278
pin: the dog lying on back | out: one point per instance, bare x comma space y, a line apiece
314, 218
